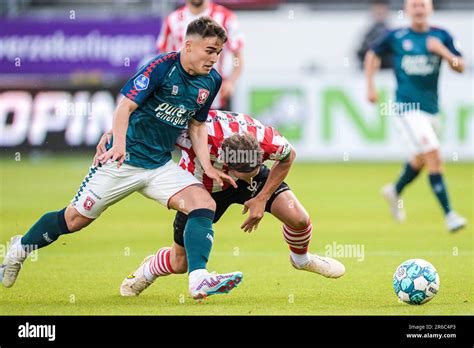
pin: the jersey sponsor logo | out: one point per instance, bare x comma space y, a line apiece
141, 82
178, 116
420, 64
407, 45
202, 95
88, 203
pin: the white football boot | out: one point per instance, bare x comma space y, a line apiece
136, 282
454, 221
12, 262
325, 266
212, 284
395, 202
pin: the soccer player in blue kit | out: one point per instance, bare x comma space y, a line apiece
174, 91
417, 55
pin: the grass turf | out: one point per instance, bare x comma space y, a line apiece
81, 273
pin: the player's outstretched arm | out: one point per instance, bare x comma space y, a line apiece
256, 205
371, 66
198, 135
120, 124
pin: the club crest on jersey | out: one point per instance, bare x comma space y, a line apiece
88, 203
407, 45
141, 82
175, 90
202, 95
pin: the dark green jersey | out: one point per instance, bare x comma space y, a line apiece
167, 97
416, 68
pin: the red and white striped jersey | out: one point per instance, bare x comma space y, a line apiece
174, 27
221, 125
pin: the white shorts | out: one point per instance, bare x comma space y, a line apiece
105, 185
419, 131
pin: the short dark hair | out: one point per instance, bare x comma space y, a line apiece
242, 153
206, 27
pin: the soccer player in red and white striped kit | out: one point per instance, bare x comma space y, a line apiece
238, 146
174, 29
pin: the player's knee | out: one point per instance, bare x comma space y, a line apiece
300, 221
433, 161
207, 203
75, 221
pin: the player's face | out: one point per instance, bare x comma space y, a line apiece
203, 53
244, 176
418, 10
196, 3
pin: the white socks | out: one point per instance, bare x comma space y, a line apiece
300, 259
147, 273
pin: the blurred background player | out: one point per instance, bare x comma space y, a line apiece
172, 92
239, 146
379, 14
172, 34
418, 52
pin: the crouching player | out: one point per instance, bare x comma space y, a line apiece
238, 146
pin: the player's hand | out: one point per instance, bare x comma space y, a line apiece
372, 95
227, 89
256, 209
100, 148
434, 45
116, 153
219, 176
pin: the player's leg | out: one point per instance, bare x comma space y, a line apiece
434, 164
179, 190
412, 127
297, 232
98, 190
170, 260
198, 239
392, 192
166, 261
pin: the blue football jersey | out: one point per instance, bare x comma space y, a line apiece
167, 97
416, 69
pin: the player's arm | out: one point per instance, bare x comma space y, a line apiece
234, 43
278, 173
371, 66
119, 129
447, 52
228, 86
373, 61
256, 205
199, 140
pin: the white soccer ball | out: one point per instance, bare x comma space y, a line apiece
416, 281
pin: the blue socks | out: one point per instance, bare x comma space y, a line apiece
407, 176
45, 231
440, 190
198, 238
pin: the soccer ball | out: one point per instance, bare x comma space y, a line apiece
416, 281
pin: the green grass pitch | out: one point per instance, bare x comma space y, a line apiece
81, 273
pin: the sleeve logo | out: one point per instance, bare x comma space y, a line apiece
141, 82
202, 95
